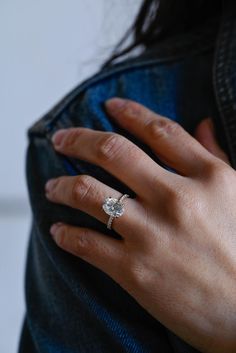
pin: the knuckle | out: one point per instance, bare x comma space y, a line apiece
132, 108
214, 168
82, 246
173, 199
169, 193
162, 128
220, 172
172, 196
81, 188
138, 273
110, 147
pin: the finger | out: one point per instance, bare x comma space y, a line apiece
205, 134
173, 145
99, 250
88, 194
113, 152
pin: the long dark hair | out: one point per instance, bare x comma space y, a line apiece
158, 19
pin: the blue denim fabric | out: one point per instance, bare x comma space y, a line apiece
72, 307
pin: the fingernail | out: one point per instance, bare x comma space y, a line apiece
54, 230
114, 105
58, 137
50, 185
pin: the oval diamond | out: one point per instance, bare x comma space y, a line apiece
113, 207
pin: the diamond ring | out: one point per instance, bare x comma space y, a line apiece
114, 208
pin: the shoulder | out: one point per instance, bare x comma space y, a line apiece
143, 78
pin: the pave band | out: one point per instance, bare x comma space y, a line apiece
114, 208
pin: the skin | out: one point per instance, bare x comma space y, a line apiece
177, 256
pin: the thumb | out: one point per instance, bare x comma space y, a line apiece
205, 134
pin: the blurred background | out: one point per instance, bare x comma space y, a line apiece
48, 47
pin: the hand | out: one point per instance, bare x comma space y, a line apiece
177, 256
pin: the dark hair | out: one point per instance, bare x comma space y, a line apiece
158, 19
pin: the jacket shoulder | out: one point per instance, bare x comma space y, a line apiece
136, 78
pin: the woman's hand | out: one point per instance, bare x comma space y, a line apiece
177, 256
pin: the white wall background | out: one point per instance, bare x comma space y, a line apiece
47, 47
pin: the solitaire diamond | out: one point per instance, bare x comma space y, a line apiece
113, 207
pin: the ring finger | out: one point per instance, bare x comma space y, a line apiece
88, 194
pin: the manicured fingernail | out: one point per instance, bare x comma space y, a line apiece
50, 185
54, 230
114, 105
58, 137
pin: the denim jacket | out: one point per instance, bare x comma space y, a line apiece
72, 307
